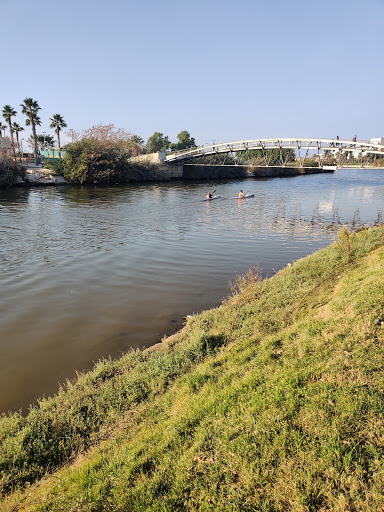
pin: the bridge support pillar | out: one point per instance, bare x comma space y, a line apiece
174, 171
180, 169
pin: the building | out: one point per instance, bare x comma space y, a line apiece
377, 140
5, 145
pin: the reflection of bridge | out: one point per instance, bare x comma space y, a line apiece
339, 148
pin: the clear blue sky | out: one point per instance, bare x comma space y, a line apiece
223, 70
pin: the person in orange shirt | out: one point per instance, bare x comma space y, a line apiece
241, 193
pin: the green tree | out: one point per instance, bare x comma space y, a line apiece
185, 141
58, 123
96, 161
157, 142
43, 140
8, 113
17, 128
30, 108
99, 156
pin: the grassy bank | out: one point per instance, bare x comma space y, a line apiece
274, 401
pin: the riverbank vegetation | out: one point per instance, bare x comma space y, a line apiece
378, 162
9, 171
101, 155
272, 157
97, 158
273, 401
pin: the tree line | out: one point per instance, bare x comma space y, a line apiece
102, 154
30, 108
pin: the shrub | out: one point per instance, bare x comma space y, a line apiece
56, 165
97, 161
308, 162
379, 162
9, 171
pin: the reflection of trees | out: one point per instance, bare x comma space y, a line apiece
89, 195
282, 219
297, 225
302, 224
356, 218
335, 216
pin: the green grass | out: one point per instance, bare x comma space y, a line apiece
274, 401
55, 165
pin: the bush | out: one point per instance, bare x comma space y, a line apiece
379, 162
308, 162
330, 160
97, 161
56, 165
9, 171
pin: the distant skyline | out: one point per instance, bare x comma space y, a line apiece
222, 70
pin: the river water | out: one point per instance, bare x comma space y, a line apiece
92, 272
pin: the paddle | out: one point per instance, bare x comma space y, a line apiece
208, 196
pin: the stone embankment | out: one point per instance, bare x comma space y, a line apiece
149, 171
36, 176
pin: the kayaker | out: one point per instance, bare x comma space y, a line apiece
241, 193
208, 196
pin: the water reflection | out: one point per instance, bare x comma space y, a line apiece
89, 272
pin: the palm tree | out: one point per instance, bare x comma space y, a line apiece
58, 123
30, 108
137, 144
17, 128
2, 127
8, 113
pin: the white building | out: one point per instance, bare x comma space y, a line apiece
377, 140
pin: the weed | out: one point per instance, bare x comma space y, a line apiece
344, 245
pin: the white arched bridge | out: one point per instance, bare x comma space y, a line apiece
339, 148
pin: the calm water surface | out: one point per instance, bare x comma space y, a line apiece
91, 272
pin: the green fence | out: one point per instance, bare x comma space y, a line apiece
51, 153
